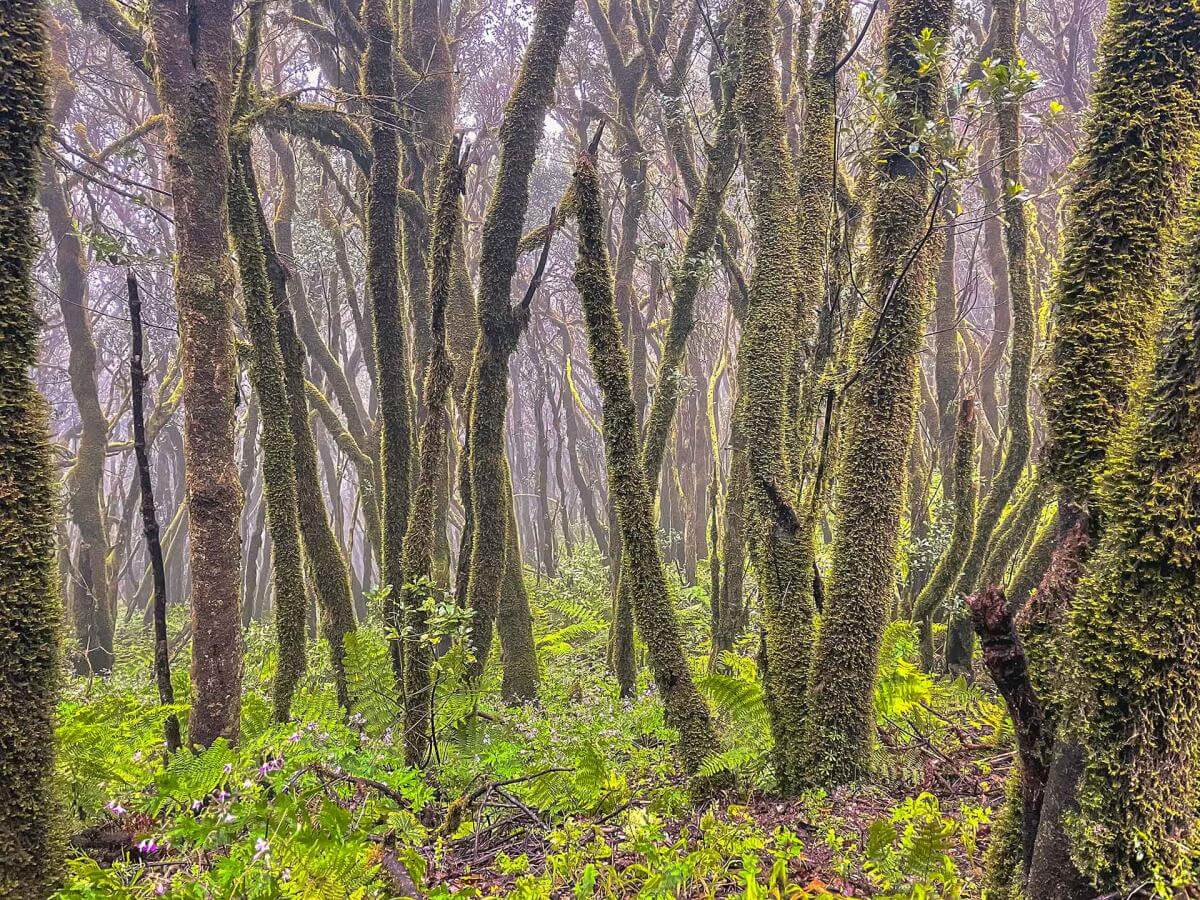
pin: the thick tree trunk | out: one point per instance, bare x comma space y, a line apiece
29, 610
879, 411
193, 43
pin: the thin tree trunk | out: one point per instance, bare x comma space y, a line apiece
137, 381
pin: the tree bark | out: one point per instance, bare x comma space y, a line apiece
193, 43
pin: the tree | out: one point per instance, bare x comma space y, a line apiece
431, 459
500, 323
1135, 628
880, 402
383, 291
29, 610
655, 617
1010, 83
193, 44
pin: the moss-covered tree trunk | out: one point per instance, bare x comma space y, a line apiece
879, 408
278, 447
1135, 630
500, 323
652, 608
29, 609
327, 566
431, 463
949, 563
1131, 177
383, 289
193, 43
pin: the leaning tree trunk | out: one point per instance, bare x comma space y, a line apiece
879, 410
500, 323
652, 609
278, 447
92, 597
193, 43
29, 610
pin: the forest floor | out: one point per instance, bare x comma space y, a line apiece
575, 796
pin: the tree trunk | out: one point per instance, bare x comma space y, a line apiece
29, 609
684, 707
878, 413
193, 43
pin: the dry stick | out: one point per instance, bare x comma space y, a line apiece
137, 380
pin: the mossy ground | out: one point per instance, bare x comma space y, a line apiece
325, 806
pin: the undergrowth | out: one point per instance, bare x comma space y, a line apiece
578, 795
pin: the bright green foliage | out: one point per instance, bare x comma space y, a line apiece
1130, 178
29, 610
618, 818
1135, 628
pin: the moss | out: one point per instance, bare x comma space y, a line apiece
1033, 564
778, 322
278, 446
1004, 860
652, 609
514, 622
949, 563
29, 605
1014, 532
383, 289
1135, 629
500, 324
878, 413
431, 460
1130, 177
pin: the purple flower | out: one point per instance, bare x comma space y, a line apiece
262, 847
115, 808
148, 847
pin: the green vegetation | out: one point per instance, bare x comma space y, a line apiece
326, 806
